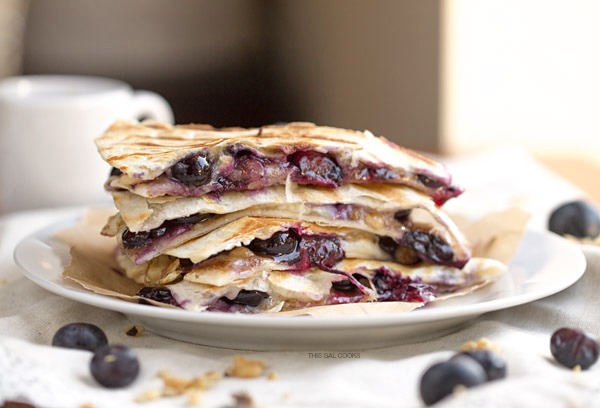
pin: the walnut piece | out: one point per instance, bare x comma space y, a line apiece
245, 368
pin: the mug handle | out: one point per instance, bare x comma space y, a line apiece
150, 105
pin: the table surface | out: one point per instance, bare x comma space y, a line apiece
581, 171
387, 377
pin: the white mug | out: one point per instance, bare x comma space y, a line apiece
48, 124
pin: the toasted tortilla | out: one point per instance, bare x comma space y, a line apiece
143, 152
203, 288
369, 208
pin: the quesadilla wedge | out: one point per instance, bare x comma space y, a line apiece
154, 159
217, 287
271, 264
402, 219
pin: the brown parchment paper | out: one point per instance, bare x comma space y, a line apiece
495, 236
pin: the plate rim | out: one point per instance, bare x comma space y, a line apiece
423, 315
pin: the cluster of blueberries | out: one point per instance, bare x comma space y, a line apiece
112, 365
570, 347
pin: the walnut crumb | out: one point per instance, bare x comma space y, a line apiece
481, 344
149, 395
245, 368
272, 376
176, 386
194, 396
134, 330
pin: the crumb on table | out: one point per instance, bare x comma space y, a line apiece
481, 344
245, 368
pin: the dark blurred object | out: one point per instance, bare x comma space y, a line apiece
348, 63
578, 219
364, 65
204, 57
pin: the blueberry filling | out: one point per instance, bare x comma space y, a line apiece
373, 174
133, 240
347, 285
323, 252
243, 170
115, 172
302, 251
192, 171
402, 215
248, 298
316, 168
391, 287
429, 246
388, 245
283, 246
248, 168
158, 294
401, 254
429, 182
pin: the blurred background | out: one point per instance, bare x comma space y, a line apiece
439, 76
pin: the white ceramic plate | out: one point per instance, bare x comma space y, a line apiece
543, 265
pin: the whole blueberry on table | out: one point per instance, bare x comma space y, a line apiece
114, 366
573, 347
441, 379
577, 218
82, 336
493, 365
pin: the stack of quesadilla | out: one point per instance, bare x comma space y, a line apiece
281, 217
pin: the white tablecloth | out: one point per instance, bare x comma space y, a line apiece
32, 371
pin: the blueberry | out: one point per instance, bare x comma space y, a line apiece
317, 168
114, 366
283, 245
429, 182
248, 298
493, 365
402, 215
132, 240
441, 379
347, 285
428, 245
323, 252
114, 171
191, 171
82, 336
388, 245
394, 287
577, 218
158, 294
573, 347
401, 254
248, 169
344, 285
